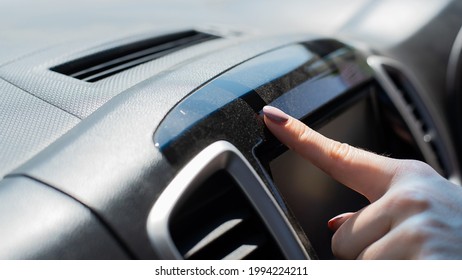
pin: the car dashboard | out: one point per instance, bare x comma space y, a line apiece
153, 145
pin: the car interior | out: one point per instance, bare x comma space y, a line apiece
135, 130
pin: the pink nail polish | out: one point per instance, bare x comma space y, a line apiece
275, 115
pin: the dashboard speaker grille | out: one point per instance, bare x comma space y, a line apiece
218, 222
98, 66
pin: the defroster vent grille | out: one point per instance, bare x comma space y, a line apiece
103, 64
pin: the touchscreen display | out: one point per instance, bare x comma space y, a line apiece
313, 196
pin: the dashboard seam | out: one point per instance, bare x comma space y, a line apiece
40, 98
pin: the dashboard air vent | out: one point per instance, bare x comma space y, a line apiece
407, 92
218, 222
217, 207
418, 113
98, 66
415, 107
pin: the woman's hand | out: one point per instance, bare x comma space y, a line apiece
414, 212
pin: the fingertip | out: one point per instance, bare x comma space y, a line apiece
275, 115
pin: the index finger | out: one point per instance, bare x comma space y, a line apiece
365, 172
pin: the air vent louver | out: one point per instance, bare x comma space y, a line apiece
104, 64
218, 222
421, 118
407, 91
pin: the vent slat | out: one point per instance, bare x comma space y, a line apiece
218, 222
232, 242
104, 64
213, 236
242, 252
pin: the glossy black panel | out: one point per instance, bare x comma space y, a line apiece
226, 89
294, 78
316, 93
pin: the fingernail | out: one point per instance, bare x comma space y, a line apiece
333, 223
275, 114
